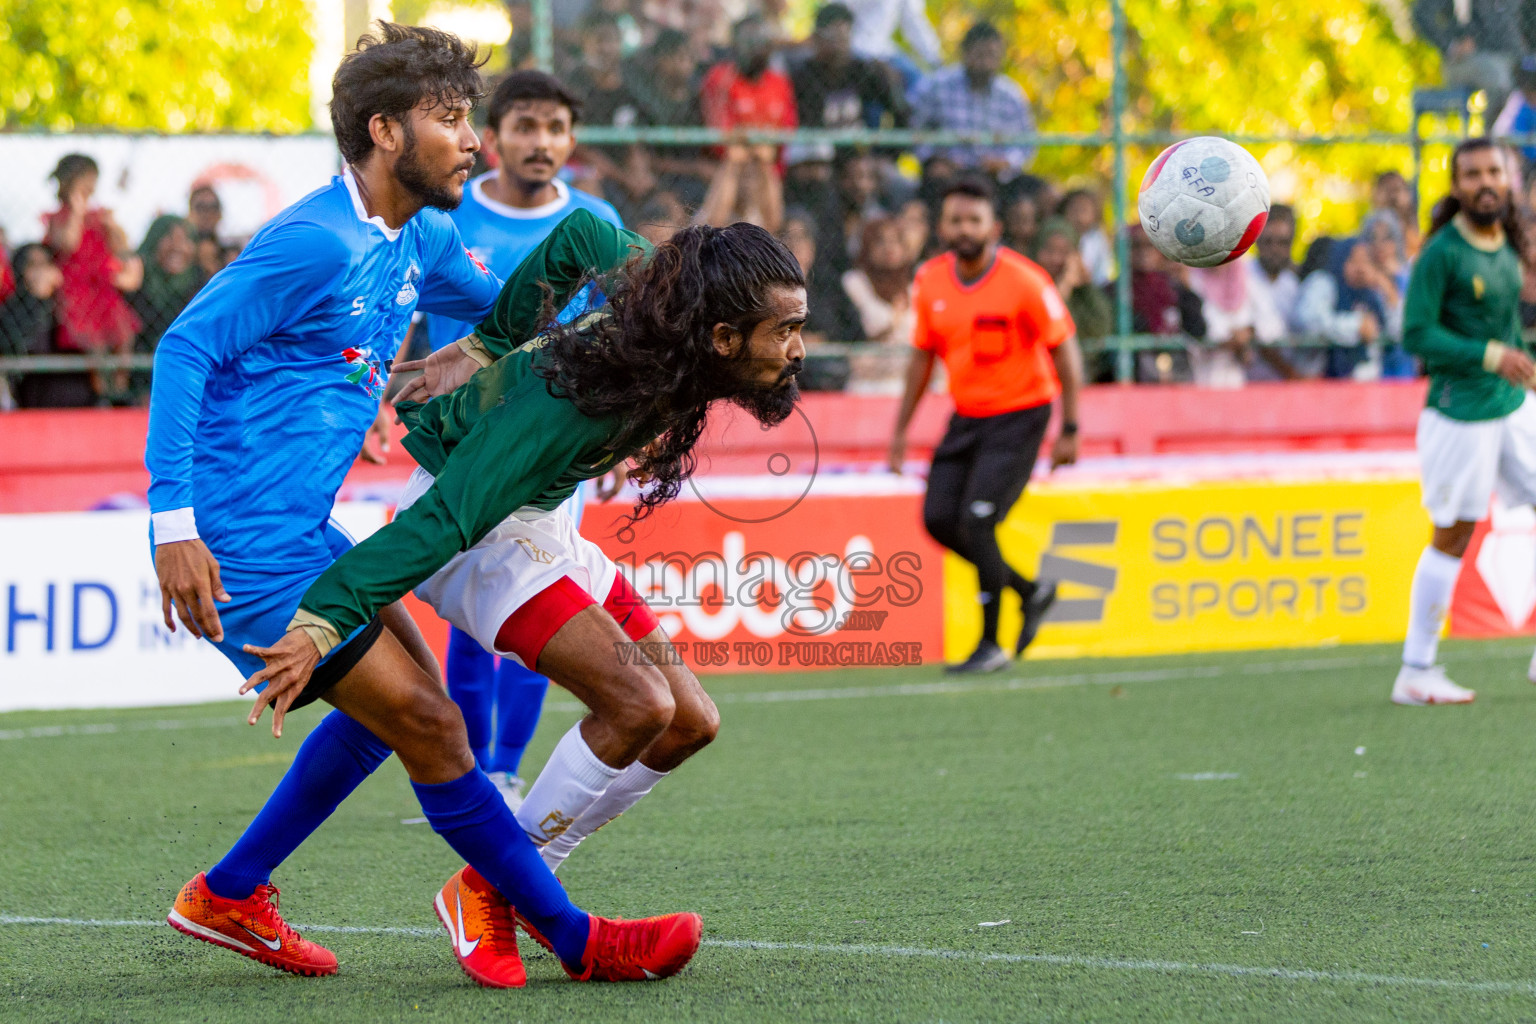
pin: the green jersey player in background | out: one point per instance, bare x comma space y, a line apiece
1477, 433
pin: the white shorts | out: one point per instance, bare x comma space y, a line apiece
1462, 465
528, 552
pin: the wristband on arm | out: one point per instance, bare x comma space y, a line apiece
473, 347
1493, 355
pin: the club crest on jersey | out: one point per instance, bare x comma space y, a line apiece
407, 293
367, 373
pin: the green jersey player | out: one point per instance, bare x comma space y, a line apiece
1477, 433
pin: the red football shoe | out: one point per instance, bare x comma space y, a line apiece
479, 921
644, 950
251, 927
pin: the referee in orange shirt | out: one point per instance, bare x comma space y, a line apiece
1010, 348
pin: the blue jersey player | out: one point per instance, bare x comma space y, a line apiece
504, 215
264, 389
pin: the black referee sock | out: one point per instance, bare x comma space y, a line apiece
1025, 588
990, 603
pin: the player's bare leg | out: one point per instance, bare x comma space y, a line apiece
648, 714
399, 622
695, 723
1421, 681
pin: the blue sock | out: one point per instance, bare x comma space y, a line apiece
332, 761
519, 701
471, 815
471, 675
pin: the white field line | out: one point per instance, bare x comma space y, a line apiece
1100, 963
992, 684
1007, 684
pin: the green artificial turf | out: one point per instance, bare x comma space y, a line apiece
862, 825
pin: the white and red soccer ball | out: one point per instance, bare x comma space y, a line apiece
1204, 201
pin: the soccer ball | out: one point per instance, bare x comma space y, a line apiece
1204, 201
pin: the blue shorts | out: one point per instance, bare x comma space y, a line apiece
262, 604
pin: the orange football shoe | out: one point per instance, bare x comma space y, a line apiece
251, 927
480, 922
644, 950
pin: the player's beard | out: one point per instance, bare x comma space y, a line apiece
414, 177
771, 405
1481, 219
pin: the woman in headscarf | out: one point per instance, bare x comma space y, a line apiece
171, 277
1354, 304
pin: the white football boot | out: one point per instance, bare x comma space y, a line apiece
1420, 686
510, 787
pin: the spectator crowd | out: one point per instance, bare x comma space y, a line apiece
84, 289
860, 219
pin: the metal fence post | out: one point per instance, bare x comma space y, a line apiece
1124, 361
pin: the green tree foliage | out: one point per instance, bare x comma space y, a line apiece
1249, 67
155, 65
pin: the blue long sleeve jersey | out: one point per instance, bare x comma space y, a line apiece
267, 382
500, 236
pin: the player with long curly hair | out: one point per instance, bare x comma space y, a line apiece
713, 315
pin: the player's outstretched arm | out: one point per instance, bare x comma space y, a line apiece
289, 664
512, 456
583, 245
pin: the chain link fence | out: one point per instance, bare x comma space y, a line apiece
842, 144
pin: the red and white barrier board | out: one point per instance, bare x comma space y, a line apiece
776, 583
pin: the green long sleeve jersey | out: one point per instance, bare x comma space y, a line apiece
1463, 294
498, 444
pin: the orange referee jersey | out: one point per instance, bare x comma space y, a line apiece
995, 335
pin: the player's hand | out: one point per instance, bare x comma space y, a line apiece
441, 372
1064, 451
189, 579
379, 431
896, 458
1517, 367
290, 663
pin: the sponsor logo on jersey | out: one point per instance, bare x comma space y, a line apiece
534, 552
366, 371
1478, 287
407, 293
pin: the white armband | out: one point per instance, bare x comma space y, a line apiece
174, 525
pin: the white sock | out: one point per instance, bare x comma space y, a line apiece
571, 780
1428, 602
625, 792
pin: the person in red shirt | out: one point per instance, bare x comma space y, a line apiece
1010, 349
744, 92
92, 314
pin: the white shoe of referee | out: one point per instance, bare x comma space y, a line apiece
1420, 686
